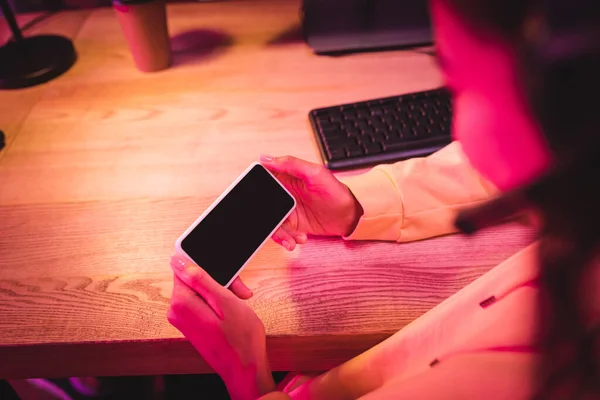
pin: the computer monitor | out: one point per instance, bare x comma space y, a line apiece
334, 26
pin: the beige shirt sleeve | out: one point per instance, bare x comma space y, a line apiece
417, 198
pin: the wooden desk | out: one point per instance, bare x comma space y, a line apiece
106, 166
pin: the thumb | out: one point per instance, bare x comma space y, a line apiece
239, 288
200, 282
292, 166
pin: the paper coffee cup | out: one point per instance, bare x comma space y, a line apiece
144, 24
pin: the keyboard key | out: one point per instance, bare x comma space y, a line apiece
363, 113
389, 108
380, 126
408, 123
335, 136
422, 120
348, 125
423, 131
396, 133
395, 146
373, 148
354, 150
378, 137
357, 136
369, 139
363, 124
329, 126
323, 119
336, 154
385, 131
363, 140
353, 131
332, 144
377, 111
334, 133
390, 119
369, 130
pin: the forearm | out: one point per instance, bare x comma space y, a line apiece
417, 198
448, 327
345, 382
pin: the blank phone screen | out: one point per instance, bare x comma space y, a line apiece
232, 231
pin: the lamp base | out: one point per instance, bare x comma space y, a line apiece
35, 60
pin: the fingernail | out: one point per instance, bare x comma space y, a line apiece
286, 244
177, 262
266, 158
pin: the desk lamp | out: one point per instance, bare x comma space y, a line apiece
30, 61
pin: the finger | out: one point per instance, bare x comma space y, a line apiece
288, 232
286, 240
292, 166
239, 288
298, 236
202, 283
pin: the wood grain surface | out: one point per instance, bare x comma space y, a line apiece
106, 166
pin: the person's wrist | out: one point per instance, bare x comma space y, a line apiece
354, 212
249, 382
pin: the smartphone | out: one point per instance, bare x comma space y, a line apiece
237, 224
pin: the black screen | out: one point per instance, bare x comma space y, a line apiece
340, 26
228, 236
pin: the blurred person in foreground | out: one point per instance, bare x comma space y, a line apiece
525, 77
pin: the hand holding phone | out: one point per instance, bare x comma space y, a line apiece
326, 206
255, 204
225, 331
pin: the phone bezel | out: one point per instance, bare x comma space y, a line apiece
183, 253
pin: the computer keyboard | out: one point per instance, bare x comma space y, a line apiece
383, 130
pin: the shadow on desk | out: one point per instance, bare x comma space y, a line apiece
291, 35
199, 46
